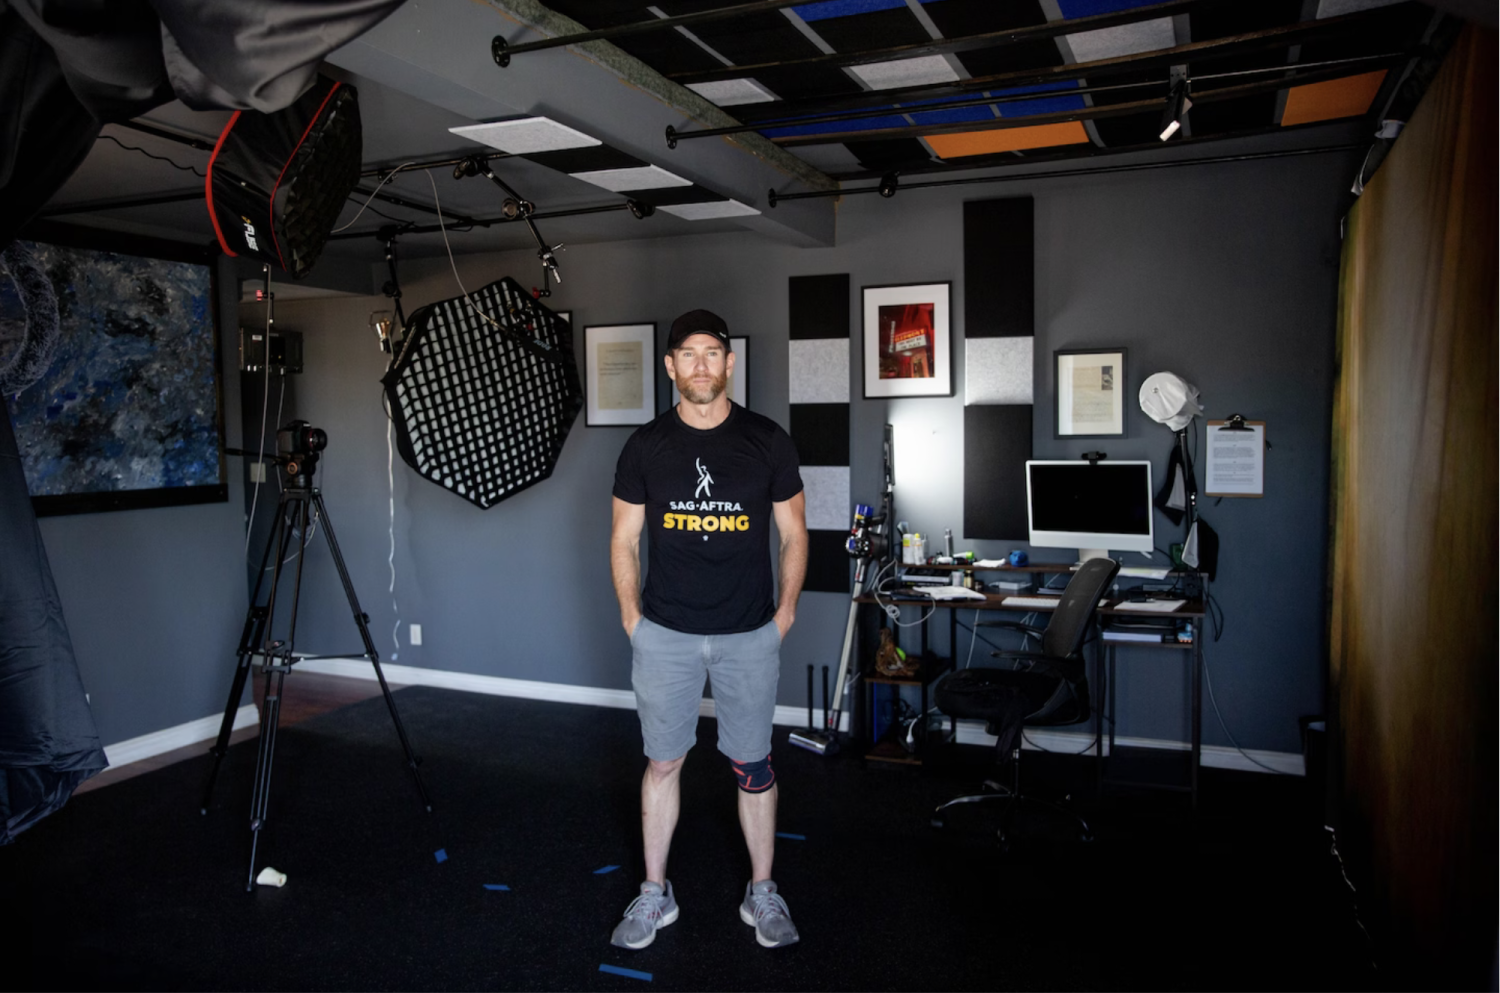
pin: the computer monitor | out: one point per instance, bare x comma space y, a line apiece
1090, 506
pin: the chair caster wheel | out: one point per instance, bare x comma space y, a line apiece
939, 823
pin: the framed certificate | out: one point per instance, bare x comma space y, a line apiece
1090, 389
621, 363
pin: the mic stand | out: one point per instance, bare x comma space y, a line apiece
301, 504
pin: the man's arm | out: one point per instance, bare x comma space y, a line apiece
791, 523
625, 560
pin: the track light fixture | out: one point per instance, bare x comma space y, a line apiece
640, 209
1178, 104
889, 182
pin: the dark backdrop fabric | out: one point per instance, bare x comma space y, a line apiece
48, 742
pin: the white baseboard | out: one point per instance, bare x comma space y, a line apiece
1213, 756
526, 689
203, 729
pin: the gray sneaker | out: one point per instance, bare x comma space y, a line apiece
654, 908
766, 911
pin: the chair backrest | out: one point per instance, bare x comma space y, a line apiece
1070, 621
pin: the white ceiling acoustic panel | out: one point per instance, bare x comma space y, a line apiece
906, 72
708, 211
638, 178
733, 92
1127, 39
526, 136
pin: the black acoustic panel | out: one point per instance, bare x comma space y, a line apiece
752, 39
591, 159
797, 83
997, 443
668, 52
999, 268
1137, 129
889, 153
1240, 114
828, 563
1012, 58
818, 306
821, 433
958, 18
877, 29
671, 195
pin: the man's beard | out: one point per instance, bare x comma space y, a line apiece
694, 393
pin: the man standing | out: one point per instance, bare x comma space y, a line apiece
707, 477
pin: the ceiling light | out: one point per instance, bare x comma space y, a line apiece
709, 211
526, 135
638, 178
733, 92
905, 72
1178, 104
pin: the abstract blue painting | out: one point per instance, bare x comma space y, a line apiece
128, 414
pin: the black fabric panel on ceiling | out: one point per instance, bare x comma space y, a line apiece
672, 195
594, 158
827, 563
821, 433
818, 306
889, 153
997, 443
999, 268
877, 29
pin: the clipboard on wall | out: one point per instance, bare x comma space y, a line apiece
1235, 463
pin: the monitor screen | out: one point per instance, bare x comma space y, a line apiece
1095, 506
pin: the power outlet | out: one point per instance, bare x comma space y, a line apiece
414, 633
257, 472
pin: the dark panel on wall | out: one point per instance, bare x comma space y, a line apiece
999, 296
827, 563
821, 432
997, 443
818, 306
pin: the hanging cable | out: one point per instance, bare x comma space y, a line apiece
388, 177
390, 478
1211, 699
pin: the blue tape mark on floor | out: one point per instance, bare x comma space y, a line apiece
793, 837
628, 973
441, 854
496, 886
608, 868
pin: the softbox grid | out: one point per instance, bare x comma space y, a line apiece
484, 410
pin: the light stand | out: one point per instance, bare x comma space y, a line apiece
300, 506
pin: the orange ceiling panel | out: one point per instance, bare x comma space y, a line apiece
954, 146
1347, 97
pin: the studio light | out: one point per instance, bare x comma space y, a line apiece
888, 184
483, 392
1178, 104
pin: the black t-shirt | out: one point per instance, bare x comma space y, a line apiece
708, 497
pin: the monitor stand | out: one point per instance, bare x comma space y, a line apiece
1084, 554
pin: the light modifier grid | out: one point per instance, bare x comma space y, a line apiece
484, 410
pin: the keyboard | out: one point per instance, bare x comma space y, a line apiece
1032, 602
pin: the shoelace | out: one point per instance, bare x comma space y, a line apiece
646, 905
770, 905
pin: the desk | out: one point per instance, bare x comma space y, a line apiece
1112, 609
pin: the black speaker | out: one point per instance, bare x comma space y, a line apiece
276, 182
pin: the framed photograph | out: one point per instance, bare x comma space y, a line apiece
129, 411
908, 341
621, 363
1090, 387
739, 383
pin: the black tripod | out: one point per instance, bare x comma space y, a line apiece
300, 506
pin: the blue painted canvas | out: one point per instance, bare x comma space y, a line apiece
130, 403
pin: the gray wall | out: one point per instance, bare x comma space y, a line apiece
1225, 274
155, 599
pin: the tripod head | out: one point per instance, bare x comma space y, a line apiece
297, 445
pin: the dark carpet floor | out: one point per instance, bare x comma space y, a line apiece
130, 888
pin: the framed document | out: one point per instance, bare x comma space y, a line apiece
1090, 390
908, 345
621, 363
1235, 459
739, 383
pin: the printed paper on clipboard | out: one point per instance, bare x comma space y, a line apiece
1236, 462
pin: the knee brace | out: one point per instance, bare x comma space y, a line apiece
754, 777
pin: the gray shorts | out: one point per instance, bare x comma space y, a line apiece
667, 670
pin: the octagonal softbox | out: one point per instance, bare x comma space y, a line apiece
483, 408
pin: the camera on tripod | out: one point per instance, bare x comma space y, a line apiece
298, 444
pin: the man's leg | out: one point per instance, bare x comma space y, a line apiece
758, 822
660, 801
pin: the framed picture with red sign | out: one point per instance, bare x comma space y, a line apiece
908, 341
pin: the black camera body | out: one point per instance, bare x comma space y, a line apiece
298, 443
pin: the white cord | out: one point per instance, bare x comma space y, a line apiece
260, 459
1210, 684
388, 177
891, 610
444, 228
390, 475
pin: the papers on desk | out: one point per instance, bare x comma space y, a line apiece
989, 563
949, 593
1150, 606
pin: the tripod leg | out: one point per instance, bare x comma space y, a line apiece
362, 622
270, 720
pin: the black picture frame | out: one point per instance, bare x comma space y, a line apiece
144, 264
1078, 409
597, 412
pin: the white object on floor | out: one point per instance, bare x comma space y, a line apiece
270, 877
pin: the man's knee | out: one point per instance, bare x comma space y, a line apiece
754, 777
665, 770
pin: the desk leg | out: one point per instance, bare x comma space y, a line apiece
1100, 654
1197, 656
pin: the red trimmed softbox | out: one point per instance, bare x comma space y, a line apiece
276, 182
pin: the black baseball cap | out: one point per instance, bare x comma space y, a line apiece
698, 322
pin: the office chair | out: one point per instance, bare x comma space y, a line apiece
1040, 689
